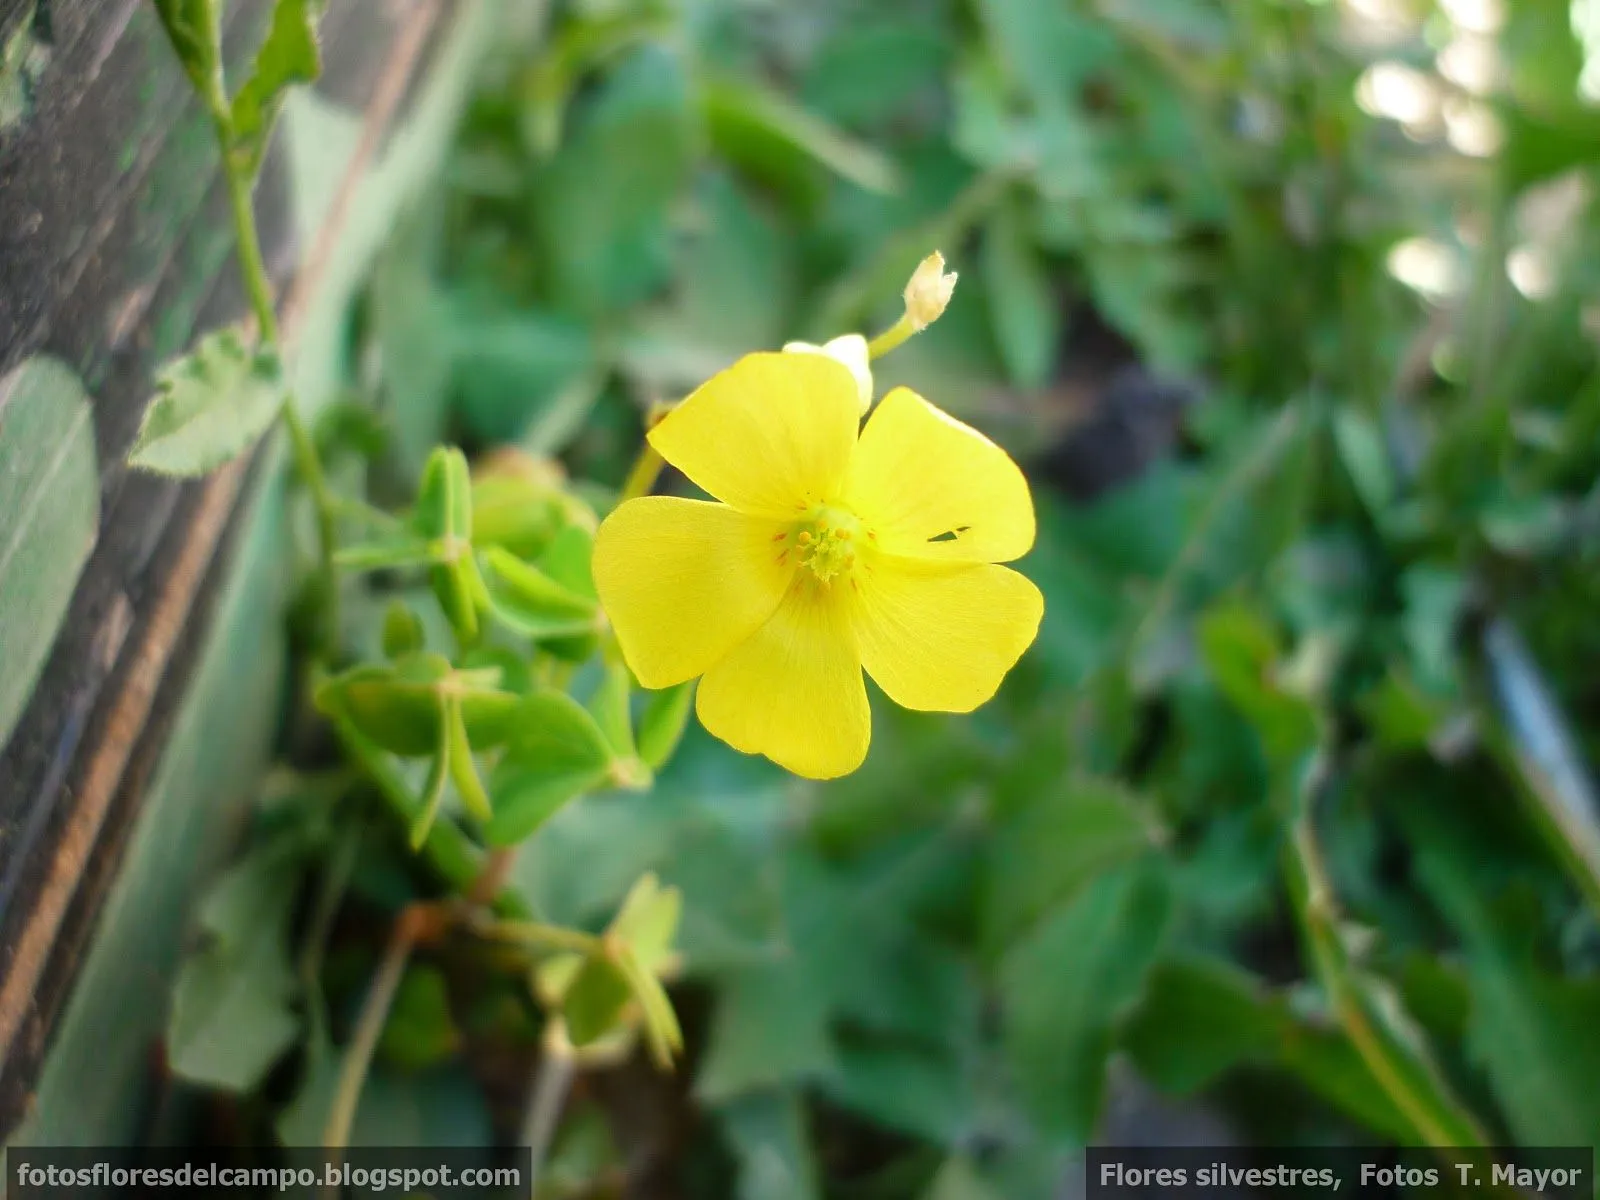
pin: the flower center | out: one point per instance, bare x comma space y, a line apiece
826, 540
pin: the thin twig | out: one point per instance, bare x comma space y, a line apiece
414, 921
552, 1079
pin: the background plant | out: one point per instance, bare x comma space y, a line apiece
1284, 815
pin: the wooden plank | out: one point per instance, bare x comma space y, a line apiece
73, 774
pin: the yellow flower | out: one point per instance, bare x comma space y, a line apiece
827, 553
849, 349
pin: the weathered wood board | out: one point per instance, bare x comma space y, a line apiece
115, 252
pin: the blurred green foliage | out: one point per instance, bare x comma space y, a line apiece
1284, 814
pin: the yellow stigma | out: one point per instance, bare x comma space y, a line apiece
826, 540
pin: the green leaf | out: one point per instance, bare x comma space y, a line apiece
604, 200
661, 1027
525, 599
1391, 1045
593, 1003
1049, 49
1065, 987
1026, 313
386, 554
287, 56
661, 725
402, 631
231, 1008
959, 1179
569, 560
555, 751
50, 495
1366, 458
768, 1135
734, 290
610, 707
433, 787
868, 72
210, 406
463, 770
444, 497
442, 1107
420, 1031
648, 919
395, 706
1531, 1029
770, 1028
765, 131
1200, 1017
231, 1016
903, 1086
1059, 843
1241, 650
193, 29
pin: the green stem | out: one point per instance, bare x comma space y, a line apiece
537, 933
643, 474
448, 850
900, 332
259, 289
369, 1025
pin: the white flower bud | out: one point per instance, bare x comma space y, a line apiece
928, 291
849, 349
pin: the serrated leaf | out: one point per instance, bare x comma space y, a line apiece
210, 406
288, 55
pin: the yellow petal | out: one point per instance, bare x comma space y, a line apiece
683, 582
793, 691
849, 349
941, 636
930, 487
771, 435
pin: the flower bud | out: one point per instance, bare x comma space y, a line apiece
849, 349
928, 291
